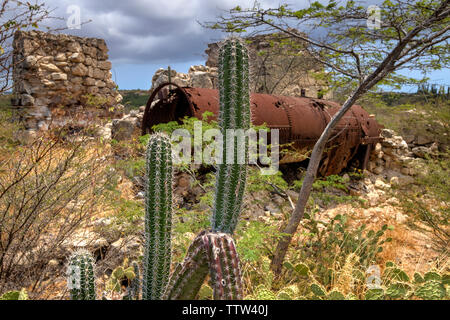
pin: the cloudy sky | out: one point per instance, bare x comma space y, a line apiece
144, 35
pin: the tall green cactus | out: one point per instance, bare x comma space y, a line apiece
80, 276
158, 217
234, 114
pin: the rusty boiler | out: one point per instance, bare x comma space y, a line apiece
300, 120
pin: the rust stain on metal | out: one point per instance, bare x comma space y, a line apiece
300, 121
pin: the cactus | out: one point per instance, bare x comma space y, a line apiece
120, 274
224, 266
212, 252
80, 273
158, 217
234, 114
215, 251
188, 276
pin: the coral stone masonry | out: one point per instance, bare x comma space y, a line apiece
61, 79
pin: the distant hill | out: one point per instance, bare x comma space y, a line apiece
133, 99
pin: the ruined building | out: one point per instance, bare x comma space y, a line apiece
280, 66
58, 78
275, 68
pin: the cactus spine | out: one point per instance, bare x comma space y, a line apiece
234, 114
158, 217
80, 273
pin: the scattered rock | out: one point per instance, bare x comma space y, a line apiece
423, 140
422, 152
379, 184
123, 129
401, 181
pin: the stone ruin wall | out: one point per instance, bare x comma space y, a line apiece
61, 79
273, 69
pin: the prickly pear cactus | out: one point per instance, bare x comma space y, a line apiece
234, 114
158, 217
80, 276
15, 295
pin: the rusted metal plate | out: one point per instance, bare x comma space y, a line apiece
301, 121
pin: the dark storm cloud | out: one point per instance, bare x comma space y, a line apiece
150, 31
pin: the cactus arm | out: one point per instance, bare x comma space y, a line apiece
189, 276
210, 252
224, 267
73, 279
158, 217
234, 114
90, 285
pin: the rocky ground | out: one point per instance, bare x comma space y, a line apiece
394, 165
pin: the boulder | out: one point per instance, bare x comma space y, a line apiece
201, 80
402, 180
123, 129
423, 140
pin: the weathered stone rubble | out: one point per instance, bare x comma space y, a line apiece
274, 70
197, 76
394, 163
61, 77
393, 154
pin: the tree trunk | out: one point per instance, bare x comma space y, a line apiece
305, 191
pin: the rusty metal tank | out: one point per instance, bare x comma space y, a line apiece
300, 120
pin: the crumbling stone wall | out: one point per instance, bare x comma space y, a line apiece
278, 68
273, 70
60, 78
